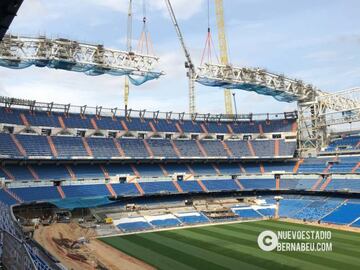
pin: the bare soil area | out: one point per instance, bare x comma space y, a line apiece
61, 241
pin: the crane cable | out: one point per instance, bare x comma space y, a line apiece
145, 43
209, 43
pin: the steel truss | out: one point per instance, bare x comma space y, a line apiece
327, 110
250, 78
317, 110
21, 52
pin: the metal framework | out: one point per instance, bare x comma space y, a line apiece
21, 52
257, 80
316, 108
220, 19
188, 64
325, 111
100, 111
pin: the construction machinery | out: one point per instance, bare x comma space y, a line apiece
188, 64
219, 7
129, 48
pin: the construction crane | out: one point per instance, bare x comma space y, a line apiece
223, 50
188, 64
129, 48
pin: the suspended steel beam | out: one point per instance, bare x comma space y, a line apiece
255, 80
22, 52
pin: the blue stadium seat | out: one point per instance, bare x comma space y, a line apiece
37, 193
85, 191
190, 186
6, 198
258, 183
35, 145
345, 214
125, 189
68, 147
158, 187
220, 185
103, 148
8, 148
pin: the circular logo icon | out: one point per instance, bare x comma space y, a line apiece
267, 240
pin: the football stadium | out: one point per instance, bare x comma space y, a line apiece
101, 187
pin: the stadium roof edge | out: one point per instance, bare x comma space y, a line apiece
34, 105
8, 10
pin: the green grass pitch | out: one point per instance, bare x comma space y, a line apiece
234, 246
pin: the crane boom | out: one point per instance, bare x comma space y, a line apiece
223, 49
129, 48
188, 64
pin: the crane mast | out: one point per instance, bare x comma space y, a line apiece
129, 48
223, 50
188, 64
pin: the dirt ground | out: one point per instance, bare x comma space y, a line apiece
92, 255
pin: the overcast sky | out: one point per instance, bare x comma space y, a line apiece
315, 41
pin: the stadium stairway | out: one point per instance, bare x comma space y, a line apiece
33, 173
18, 145
152, 126
237, 182
13, 195
297, 165
136, 172
87, 147
62, 123
204, 129
231, 131
139, 188
105, 171
119, 148
148, 149
7, 173
176, 150
325, 183
111, 190
242, 169
93, 123
334, 209
353, 222
276, 148
353, 170
177, 125
124, 125
71, 172
227, 149
277, 183
52, 146
216, 168
251, 148
190, 169
262, 169
61, 192
318, 183
328, 167
179, 189
261, 131
201, 184
201, 148
24, 120
163, 169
